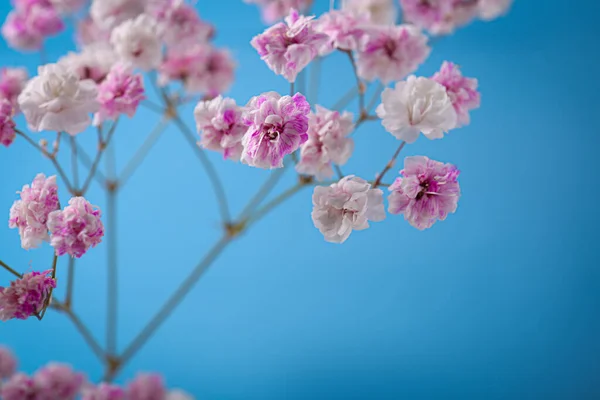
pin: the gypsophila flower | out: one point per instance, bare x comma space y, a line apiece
344, 29
7, 125
110, 13
492, 9
19, 34
427, 191
92, 62
57, 382
137, 41
391, 53
277, 126
288, 48
346, 206
120, 93
30, 214
417, 105
328, 143
19, 387
103, 391
381, 12
89, 32
179, 23
275, 10
439, 17
219, 122
25, 296
76, 228
8, 363
461, 90
12, 82
146, 387
57, 100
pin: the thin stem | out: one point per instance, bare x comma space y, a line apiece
9, 269
70, 282
262, 193
102, 145
359, 85
292, 89
315, 79
338, 171
74, 162
154, 107
87, 161
49, 297
261, 212
375, 98
112, 273
345, 99
389, 165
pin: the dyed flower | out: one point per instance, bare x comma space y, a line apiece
110, 13
19, 34
328, 143
276, 10
137, 41
381, 12
462, 91
76, 228
146, 387
179, 23
92, 62
8, 363
25, 296
103, 391
345, 206
57, 100
178, 395
288, 49
277, 126
7, 125
19, 387
440, 17
30, 214
392, 53
68, 6
57, 381
345, 30
427, 191
120, 93
89, 32
417, 105
492, 9
219, 122
12, 82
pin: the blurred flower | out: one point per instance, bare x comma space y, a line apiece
381, 12
275, 10
178, 395
439, 17
7, 125
19, 34
110, 13
8, 363
492, 9
57, 381
88, 32
461, 90
25, 297
93, 62
137, 41
68, 6
19, 387
146, 387
103, 391
120, 93
345, 30
179, 23
12, 82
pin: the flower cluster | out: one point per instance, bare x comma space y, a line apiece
33, 20
26, 296
120, 93
7, 125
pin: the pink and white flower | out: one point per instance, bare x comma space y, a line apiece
179, 23
121, 93
110, 13
67, 6
427, 191
25, 297
19, 34
439, 17
461, 90
19, 387
277, 126
344, 29
103, 391
12, 82
146, 387
7, 125
346, 206
57, 381
92, 62
276, 10
89, 32
492, 9
8, 363
137, 41
380, 12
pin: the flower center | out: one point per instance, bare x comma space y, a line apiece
271, 132
390, 48
424, 189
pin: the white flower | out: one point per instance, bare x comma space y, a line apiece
92, 62
178, 395
57, 100
417, 105
110, 13
492, 9
346, 205
382, 12
136, 41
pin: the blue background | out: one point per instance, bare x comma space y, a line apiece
500, 301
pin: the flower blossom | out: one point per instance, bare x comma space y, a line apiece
7, 125
461, 90
492, 9
8, 363
110, 13
179, 23
137, 41
345, 30
57, 381
30, 214
440, 17
103, 391
288, 49
57, 100
19, 387
346, 206
219, 122
25, 296
275, 10
67, 6
327, 143
19, 34
92, 62
89, 32
380, 12
277, 126
12, 82
146, 387
120, 93
427, 191
76, 228
417, 105
392, 53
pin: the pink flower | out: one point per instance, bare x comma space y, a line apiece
440, 17
146, 387
7, 125
346, 206
180, 23
76, 228
120, 93
19, 34
392, 53
288, 49
8, 363
44, 20
110, 13
103, 391
328, 143
219, 122
30, 214
88, 32
345, 30
57, 381
137, 41
68, 6
277, 126
25, 296
380, 12
12, 83
426, 191
19, 387
275, 10
461, 90
92, 62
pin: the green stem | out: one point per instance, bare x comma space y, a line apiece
9, 269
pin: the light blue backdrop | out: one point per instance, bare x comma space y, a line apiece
500, 301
